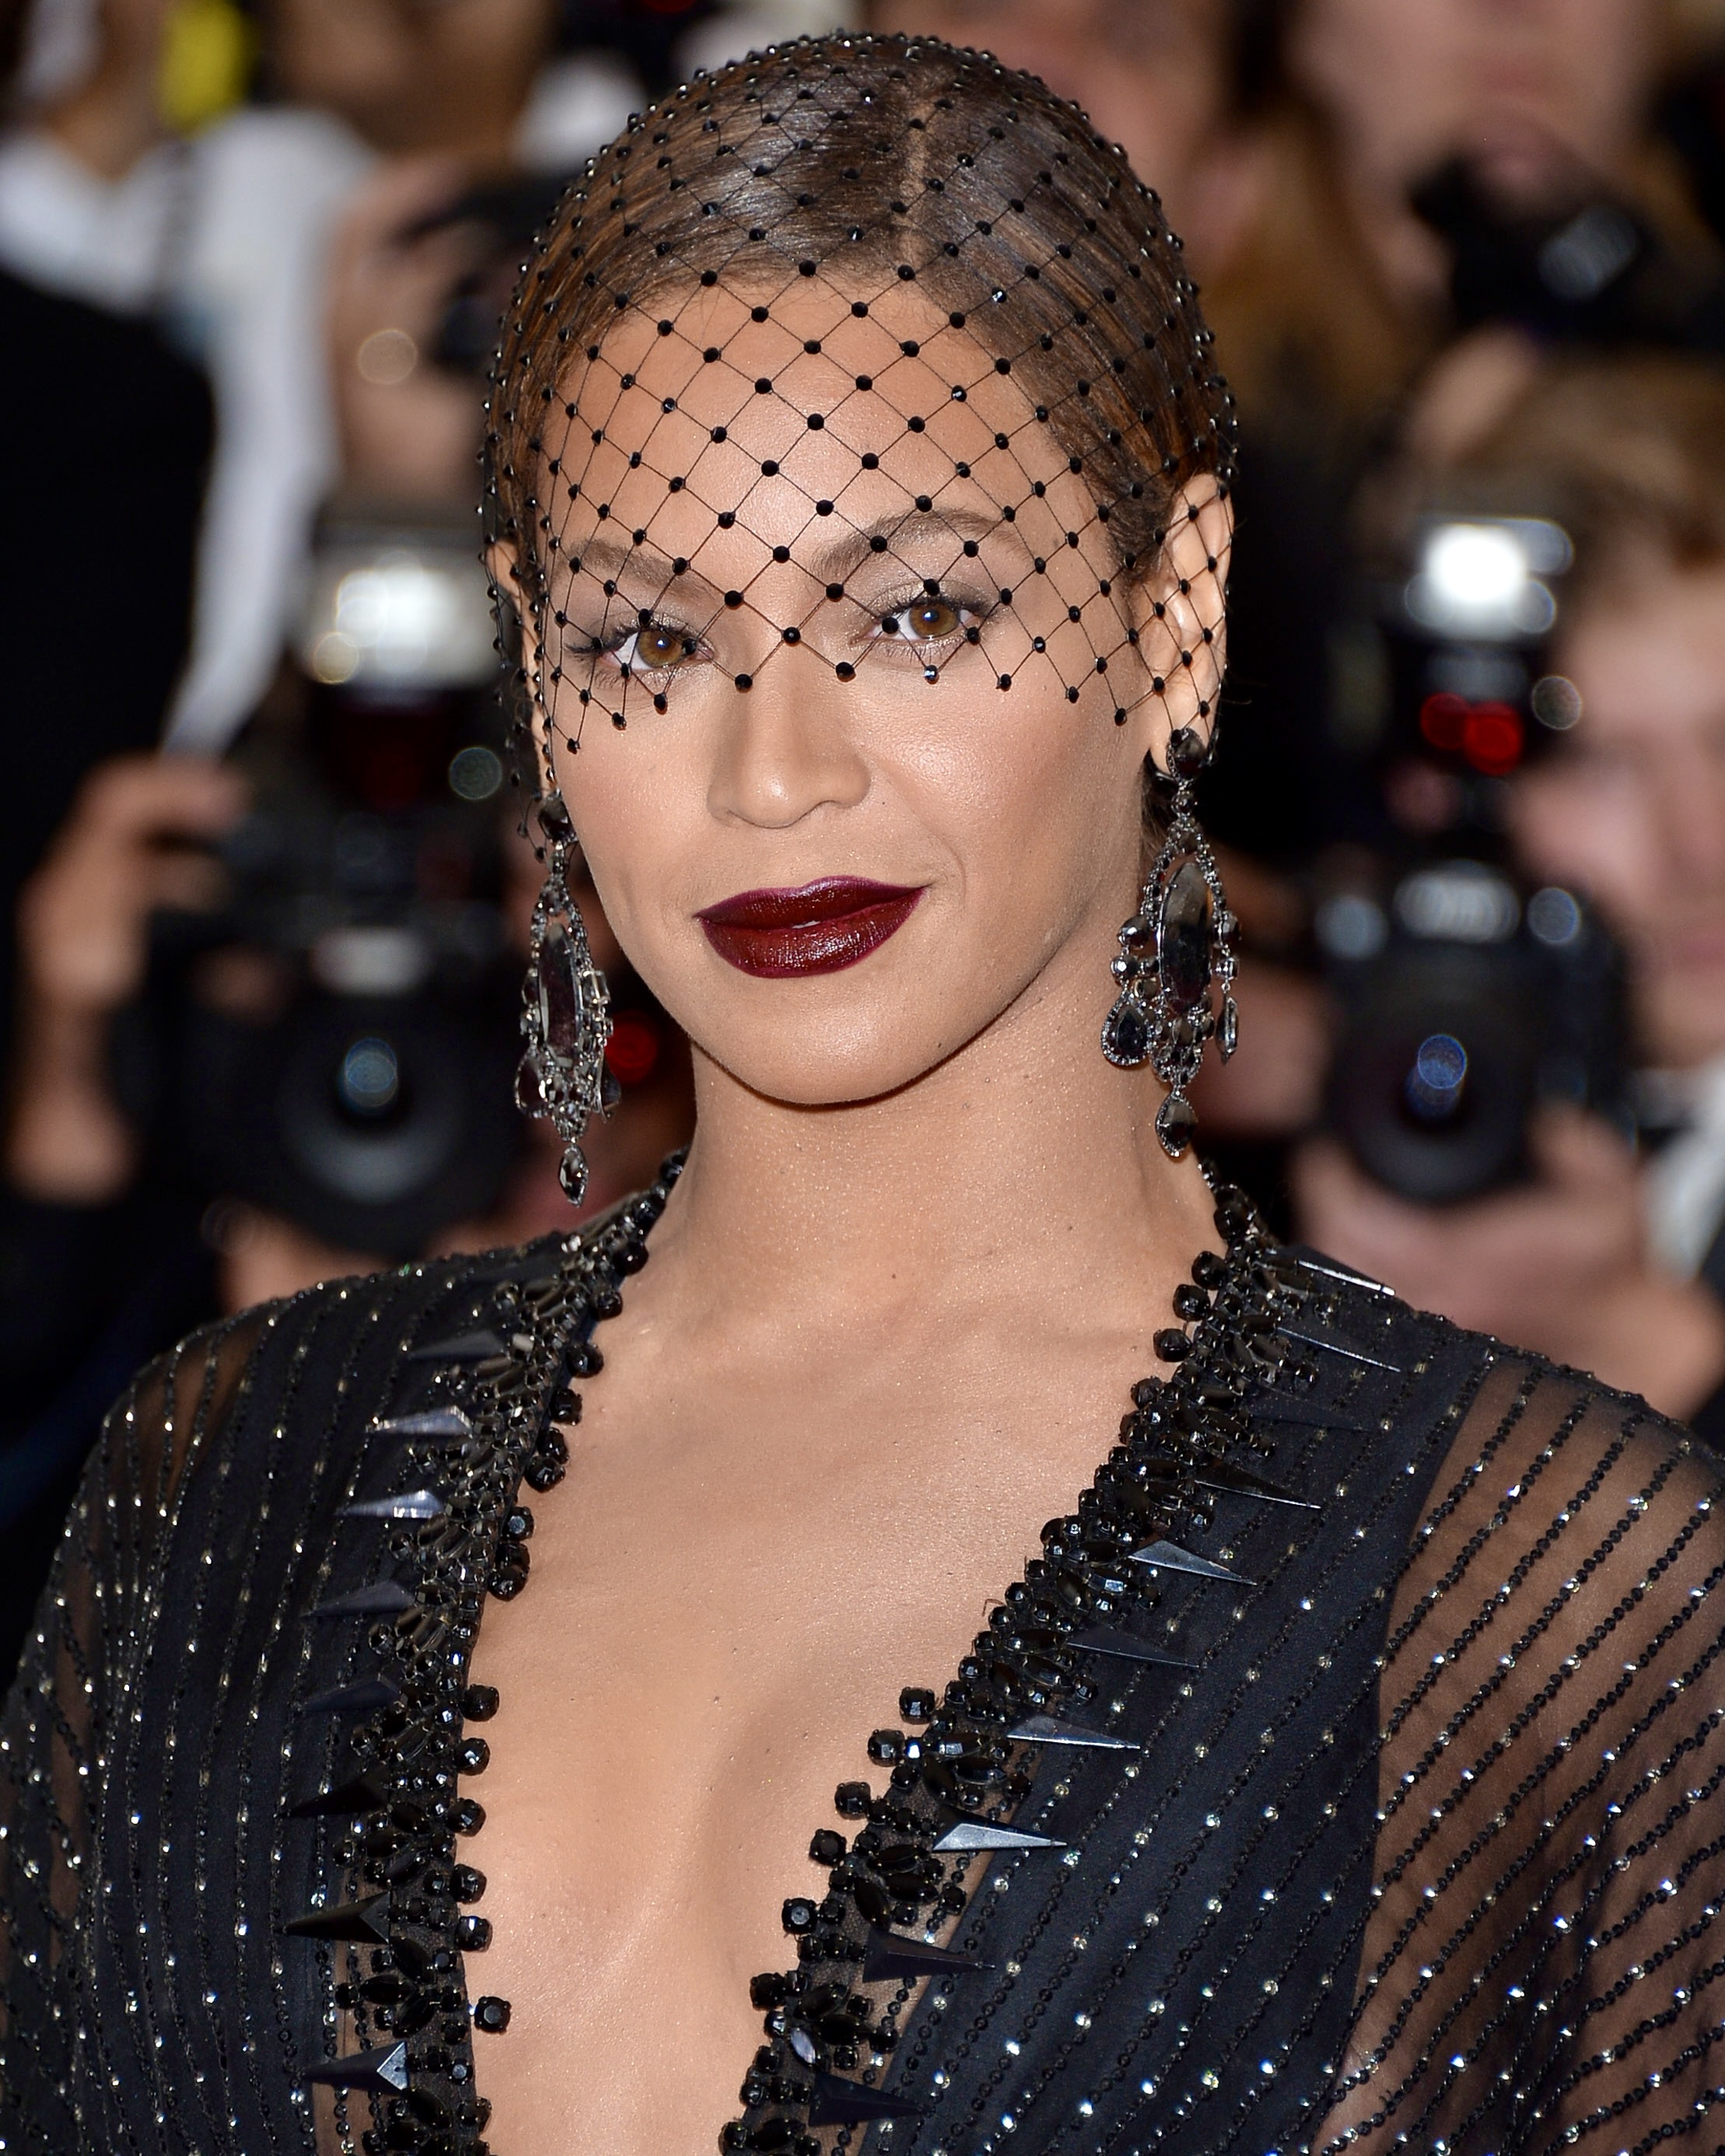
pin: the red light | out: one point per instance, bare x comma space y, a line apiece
633, 1049
1491, 739
1442, 719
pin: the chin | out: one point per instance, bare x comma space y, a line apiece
808, 1067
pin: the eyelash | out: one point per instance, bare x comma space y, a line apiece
885, 631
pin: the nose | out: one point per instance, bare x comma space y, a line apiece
785, 751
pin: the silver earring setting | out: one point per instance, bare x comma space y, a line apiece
566, 1014
1176, 949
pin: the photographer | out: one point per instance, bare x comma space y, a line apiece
1602, 1257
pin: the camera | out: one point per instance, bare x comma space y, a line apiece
1467, 1004
1469, 999
337, 1042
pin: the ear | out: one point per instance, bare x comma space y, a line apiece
1180, 613
513, 598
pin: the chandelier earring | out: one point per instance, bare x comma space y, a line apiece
1177, 959
566, 1013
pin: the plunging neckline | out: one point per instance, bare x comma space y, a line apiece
956, 1777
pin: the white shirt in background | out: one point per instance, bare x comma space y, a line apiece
225, 239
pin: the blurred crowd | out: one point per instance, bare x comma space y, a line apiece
262, 863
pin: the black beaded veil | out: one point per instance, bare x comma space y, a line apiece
865, 241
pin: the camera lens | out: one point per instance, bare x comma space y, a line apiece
1433, 1089
368, 1081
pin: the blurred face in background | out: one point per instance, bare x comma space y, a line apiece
1154, 75
1411, 83
1630, 807
412, 74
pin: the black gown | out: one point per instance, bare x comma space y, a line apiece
1345, 1771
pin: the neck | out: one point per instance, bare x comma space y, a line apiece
1025, 1163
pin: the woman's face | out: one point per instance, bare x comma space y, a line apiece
1631, 807
867, 639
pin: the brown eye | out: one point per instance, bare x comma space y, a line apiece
653, 645
926, 621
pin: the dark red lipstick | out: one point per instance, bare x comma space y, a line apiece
820, 928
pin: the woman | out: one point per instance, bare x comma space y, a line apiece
860, 501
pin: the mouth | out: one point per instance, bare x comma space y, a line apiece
820, 928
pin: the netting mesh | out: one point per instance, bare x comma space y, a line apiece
869, 351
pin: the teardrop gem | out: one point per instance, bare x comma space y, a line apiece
1126, 1035
1176, 1121
1228, 1030
572, 1173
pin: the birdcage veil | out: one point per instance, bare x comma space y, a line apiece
967, 240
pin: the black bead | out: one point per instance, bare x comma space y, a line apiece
765, 1991
473, 1934
467, 1884
1146, 1391
1171, 1345
827, 1846
1188, 752
1208, 1270
853, 1799
490, 2014
467, 1815
916, 1702
473, 1755
798, 1914
479, 1702
886, 1746
1190, 1302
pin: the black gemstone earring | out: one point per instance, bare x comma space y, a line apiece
1177, 945
565, 1014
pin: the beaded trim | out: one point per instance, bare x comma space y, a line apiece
954, 1777
957, 1775
460, 1530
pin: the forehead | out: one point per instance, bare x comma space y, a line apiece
782, 408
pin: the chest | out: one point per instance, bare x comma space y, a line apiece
728, 1592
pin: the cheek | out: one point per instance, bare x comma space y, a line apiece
1028, 796
636, 808
1597, 834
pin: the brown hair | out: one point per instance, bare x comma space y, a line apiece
1627, 454
869, 160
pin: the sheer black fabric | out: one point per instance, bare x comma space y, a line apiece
1421, 1851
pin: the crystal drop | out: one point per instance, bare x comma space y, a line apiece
1227, 1033
1183, 936
1126, 1035
1176, 1119
572, 1173
559, 997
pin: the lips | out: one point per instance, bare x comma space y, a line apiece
820, 928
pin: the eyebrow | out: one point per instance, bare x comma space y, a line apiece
602, 555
